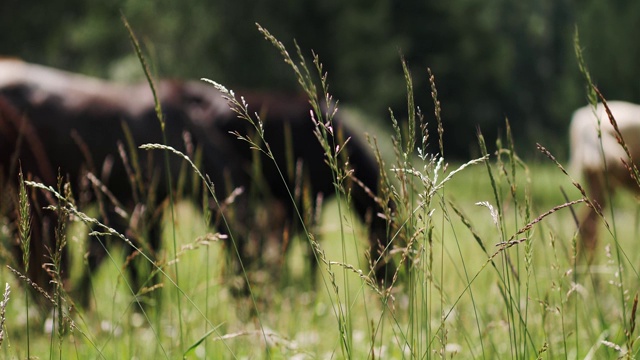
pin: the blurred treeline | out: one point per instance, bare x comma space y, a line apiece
493, 59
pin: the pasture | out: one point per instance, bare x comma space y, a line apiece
535, 301
488, 260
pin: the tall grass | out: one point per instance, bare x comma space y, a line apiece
487, 256
160, 115
25, 240
622, 259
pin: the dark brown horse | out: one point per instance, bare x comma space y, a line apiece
58, 122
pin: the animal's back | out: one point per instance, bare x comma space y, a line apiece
40, 84
586, 148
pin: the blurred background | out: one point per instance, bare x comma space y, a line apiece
493, 59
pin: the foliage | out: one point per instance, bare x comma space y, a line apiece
494, 59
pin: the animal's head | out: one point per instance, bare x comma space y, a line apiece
203, 103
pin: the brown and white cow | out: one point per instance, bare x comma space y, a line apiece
601, 160
55, 121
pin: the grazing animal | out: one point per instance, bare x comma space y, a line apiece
589, 154
54, 121
289, 131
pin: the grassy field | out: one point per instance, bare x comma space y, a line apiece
484, 275
533, 299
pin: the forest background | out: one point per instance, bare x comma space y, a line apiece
493, 59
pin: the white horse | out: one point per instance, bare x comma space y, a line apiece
600, 160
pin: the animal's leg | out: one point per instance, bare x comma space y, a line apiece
589, 221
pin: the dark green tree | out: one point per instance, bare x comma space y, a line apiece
493, 59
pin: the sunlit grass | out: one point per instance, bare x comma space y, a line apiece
300, 322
